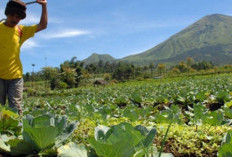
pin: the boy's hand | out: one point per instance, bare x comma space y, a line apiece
42, 2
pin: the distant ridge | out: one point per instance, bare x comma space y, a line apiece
95, 58
208, 39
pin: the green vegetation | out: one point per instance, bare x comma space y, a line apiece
138, 112
225, 150
73, 73
123, 140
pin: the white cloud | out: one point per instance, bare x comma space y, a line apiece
65, 34
29, 44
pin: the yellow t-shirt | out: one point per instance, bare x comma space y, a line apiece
10, 43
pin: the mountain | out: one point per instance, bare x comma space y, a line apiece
209, 39
95, 58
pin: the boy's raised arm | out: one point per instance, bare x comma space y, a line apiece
44, 16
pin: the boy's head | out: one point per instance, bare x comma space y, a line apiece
16, 7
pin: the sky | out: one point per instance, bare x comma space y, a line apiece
78, 28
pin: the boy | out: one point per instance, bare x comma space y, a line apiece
12, 36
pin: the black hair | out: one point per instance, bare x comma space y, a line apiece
16, 7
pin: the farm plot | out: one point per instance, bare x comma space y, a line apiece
196, 111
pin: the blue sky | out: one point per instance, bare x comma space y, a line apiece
116, 27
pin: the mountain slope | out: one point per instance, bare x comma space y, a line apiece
209, 39
95, 58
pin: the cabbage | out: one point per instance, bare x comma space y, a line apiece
40, 133
122, 140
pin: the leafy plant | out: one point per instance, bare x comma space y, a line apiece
222, 96
215, 118
9, 122
40, 133
225, 150
122, 140
170, 115
72, 150
3, 146
131, 112
197, 114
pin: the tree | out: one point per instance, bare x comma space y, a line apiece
202, 65
183, 67
175, 70
64, 65
73, 62
50, 73
71, 72
190, 61
145, 68
151, 67
107, 67
138, 71
69, 76
123, 71
86, 77
161, 68
91, 68
27, 77
78, 76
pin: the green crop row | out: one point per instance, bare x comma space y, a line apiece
199, 110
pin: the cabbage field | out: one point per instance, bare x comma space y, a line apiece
181, 116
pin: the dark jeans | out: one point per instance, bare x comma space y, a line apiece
13, 90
